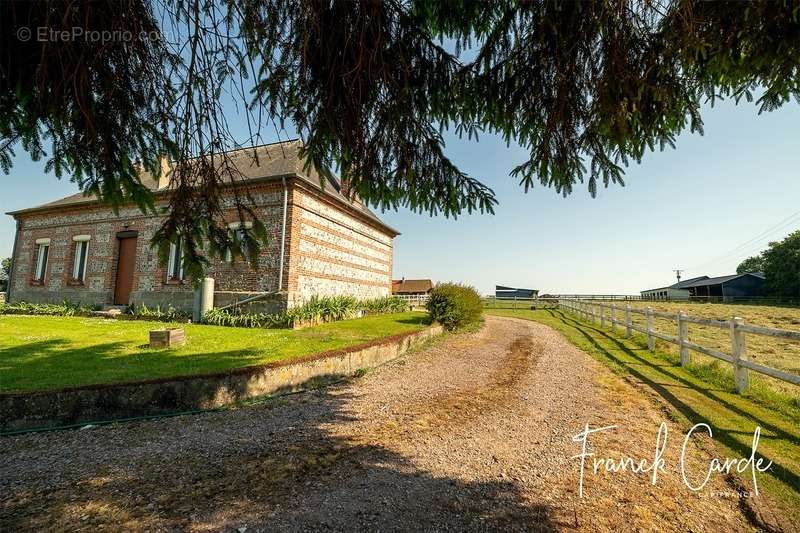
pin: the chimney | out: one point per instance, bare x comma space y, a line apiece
350, 194
163, 178
152, 182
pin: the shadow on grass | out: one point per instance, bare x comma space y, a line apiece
54, 364
671, 376
298, 464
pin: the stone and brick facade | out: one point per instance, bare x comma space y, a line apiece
332, 246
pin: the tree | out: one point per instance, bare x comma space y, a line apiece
782, 267
751, 264
586, 87
5, 273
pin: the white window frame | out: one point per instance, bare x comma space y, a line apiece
80, 257
42, 257
235, 228
175, 256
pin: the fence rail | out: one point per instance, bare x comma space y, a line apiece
414, 299
596, 312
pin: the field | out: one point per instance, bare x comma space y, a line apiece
782, 354
778, 353
43, 352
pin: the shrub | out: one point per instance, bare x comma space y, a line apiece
379, 306
317, 310
145, 313
454, 305
63, 309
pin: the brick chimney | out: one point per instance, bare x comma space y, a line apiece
350, 194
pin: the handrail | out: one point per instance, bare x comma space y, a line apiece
251, 299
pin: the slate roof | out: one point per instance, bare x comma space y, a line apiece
685, 284
407, 286
723, 279
271, 161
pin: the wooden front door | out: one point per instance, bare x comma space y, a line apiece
125, 268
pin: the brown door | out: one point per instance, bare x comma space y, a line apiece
125, 267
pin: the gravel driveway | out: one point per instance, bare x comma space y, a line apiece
471, 433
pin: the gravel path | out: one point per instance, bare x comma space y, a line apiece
472, 433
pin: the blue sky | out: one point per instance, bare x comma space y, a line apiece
686, 208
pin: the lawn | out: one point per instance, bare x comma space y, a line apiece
782, 354
699, 393
42, 352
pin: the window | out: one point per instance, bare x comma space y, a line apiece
43, 248
239, 230
175, 264
81, 255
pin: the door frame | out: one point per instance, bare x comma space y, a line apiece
121, 236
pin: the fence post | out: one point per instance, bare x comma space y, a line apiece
651, 341
613, 316
683, 334
739, 346
628, 321
602, 315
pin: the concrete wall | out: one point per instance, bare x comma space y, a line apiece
109, 402
670, 294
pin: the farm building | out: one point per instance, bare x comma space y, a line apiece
411, 287
749, 285
321, 242
676, 291
501, 291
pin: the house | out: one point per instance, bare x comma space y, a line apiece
501, 291
320, 243
676, 291
411, 287
748, 285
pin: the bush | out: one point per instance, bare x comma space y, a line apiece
143, 312
63, 309
317, 310
455, 306
380, 306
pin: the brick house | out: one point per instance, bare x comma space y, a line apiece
77, 249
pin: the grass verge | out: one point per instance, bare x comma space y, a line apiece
43, 352
699, 393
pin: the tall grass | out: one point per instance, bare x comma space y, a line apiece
318, 310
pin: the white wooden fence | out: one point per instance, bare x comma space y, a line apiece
603, 313
414, 299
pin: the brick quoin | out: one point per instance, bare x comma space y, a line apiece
332, 247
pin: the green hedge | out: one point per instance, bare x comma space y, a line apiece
455, 306
317, 310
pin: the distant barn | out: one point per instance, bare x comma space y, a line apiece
411, 287
501, 291
749, 285
676, 291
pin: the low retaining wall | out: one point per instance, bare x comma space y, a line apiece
171, 395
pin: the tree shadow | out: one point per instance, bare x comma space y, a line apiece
292, 464
45, 365
669, 377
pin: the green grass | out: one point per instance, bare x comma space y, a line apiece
699, 393
43, 352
